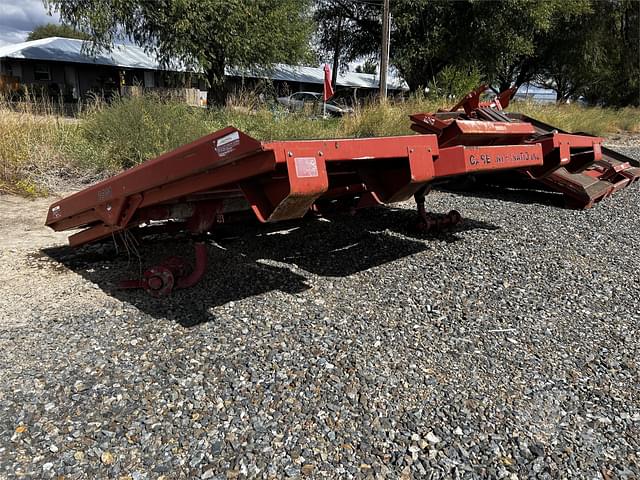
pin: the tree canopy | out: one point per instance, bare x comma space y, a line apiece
583, 48
206, 34
579, 48
56, 30
369, 66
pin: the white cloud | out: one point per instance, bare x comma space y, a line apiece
19, 17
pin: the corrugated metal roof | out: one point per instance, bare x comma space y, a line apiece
293, 73
70, 50
130, 56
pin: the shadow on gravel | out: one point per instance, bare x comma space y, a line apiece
510, 189
514, 195
250, 259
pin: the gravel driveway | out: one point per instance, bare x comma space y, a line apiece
349, 348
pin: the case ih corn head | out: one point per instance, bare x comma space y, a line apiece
228, 176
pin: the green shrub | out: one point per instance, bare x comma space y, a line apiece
131, 130
454, 82
274, 124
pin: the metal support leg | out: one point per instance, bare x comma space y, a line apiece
429, 222
160, 280
199, 268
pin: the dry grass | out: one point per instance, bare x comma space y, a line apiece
36, 150
376, 120
576, 118
33, 152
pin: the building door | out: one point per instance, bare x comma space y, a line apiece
149, 79
71, 80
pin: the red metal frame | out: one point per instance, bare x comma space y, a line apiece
471, 103
472, 159
456, 131
278, 180
228, 175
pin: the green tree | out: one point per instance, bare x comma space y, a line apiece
346, 29
503, 38
428, 36
594, 54
206, 34
612, 54
56, 30
568, 55
513, 34
369, 66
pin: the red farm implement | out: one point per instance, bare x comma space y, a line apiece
228, 176
576, 165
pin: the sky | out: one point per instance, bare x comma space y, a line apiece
19, 17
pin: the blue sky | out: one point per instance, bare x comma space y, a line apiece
19, 17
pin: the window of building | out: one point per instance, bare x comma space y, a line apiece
41, 72
12, 69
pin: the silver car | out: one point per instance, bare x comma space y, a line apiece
312, 100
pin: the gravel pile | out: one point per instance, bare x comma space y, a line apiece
350, 348
627, 144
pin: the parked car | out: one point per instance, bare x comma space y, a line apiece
301, 100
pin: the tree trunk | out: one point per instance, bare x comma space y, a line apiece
505, 84
562, 95
216, 89
562, 89
524, 76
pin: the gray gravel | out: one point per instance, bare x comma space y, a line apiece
345, 349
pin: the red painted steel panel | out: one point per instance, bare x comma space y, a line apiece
212, 151
464, 159
479, 127
354, 149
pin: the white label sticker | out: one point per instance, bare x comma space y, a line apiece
56, 211
306, 167
225, 145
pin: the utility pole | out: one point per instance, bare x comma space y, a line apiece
384, 60
336, 53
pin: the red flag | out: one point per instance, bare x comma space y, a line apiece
328, 89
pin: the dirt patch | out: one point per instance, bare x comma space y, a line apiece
22, 223
32, 285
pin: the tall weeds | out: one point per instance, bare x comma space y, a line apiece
33, 151
132, 130
577, 118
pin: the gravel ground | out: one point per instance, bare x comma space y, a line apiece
349, 348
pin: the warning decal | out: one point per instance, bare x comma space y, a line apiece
225, 145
